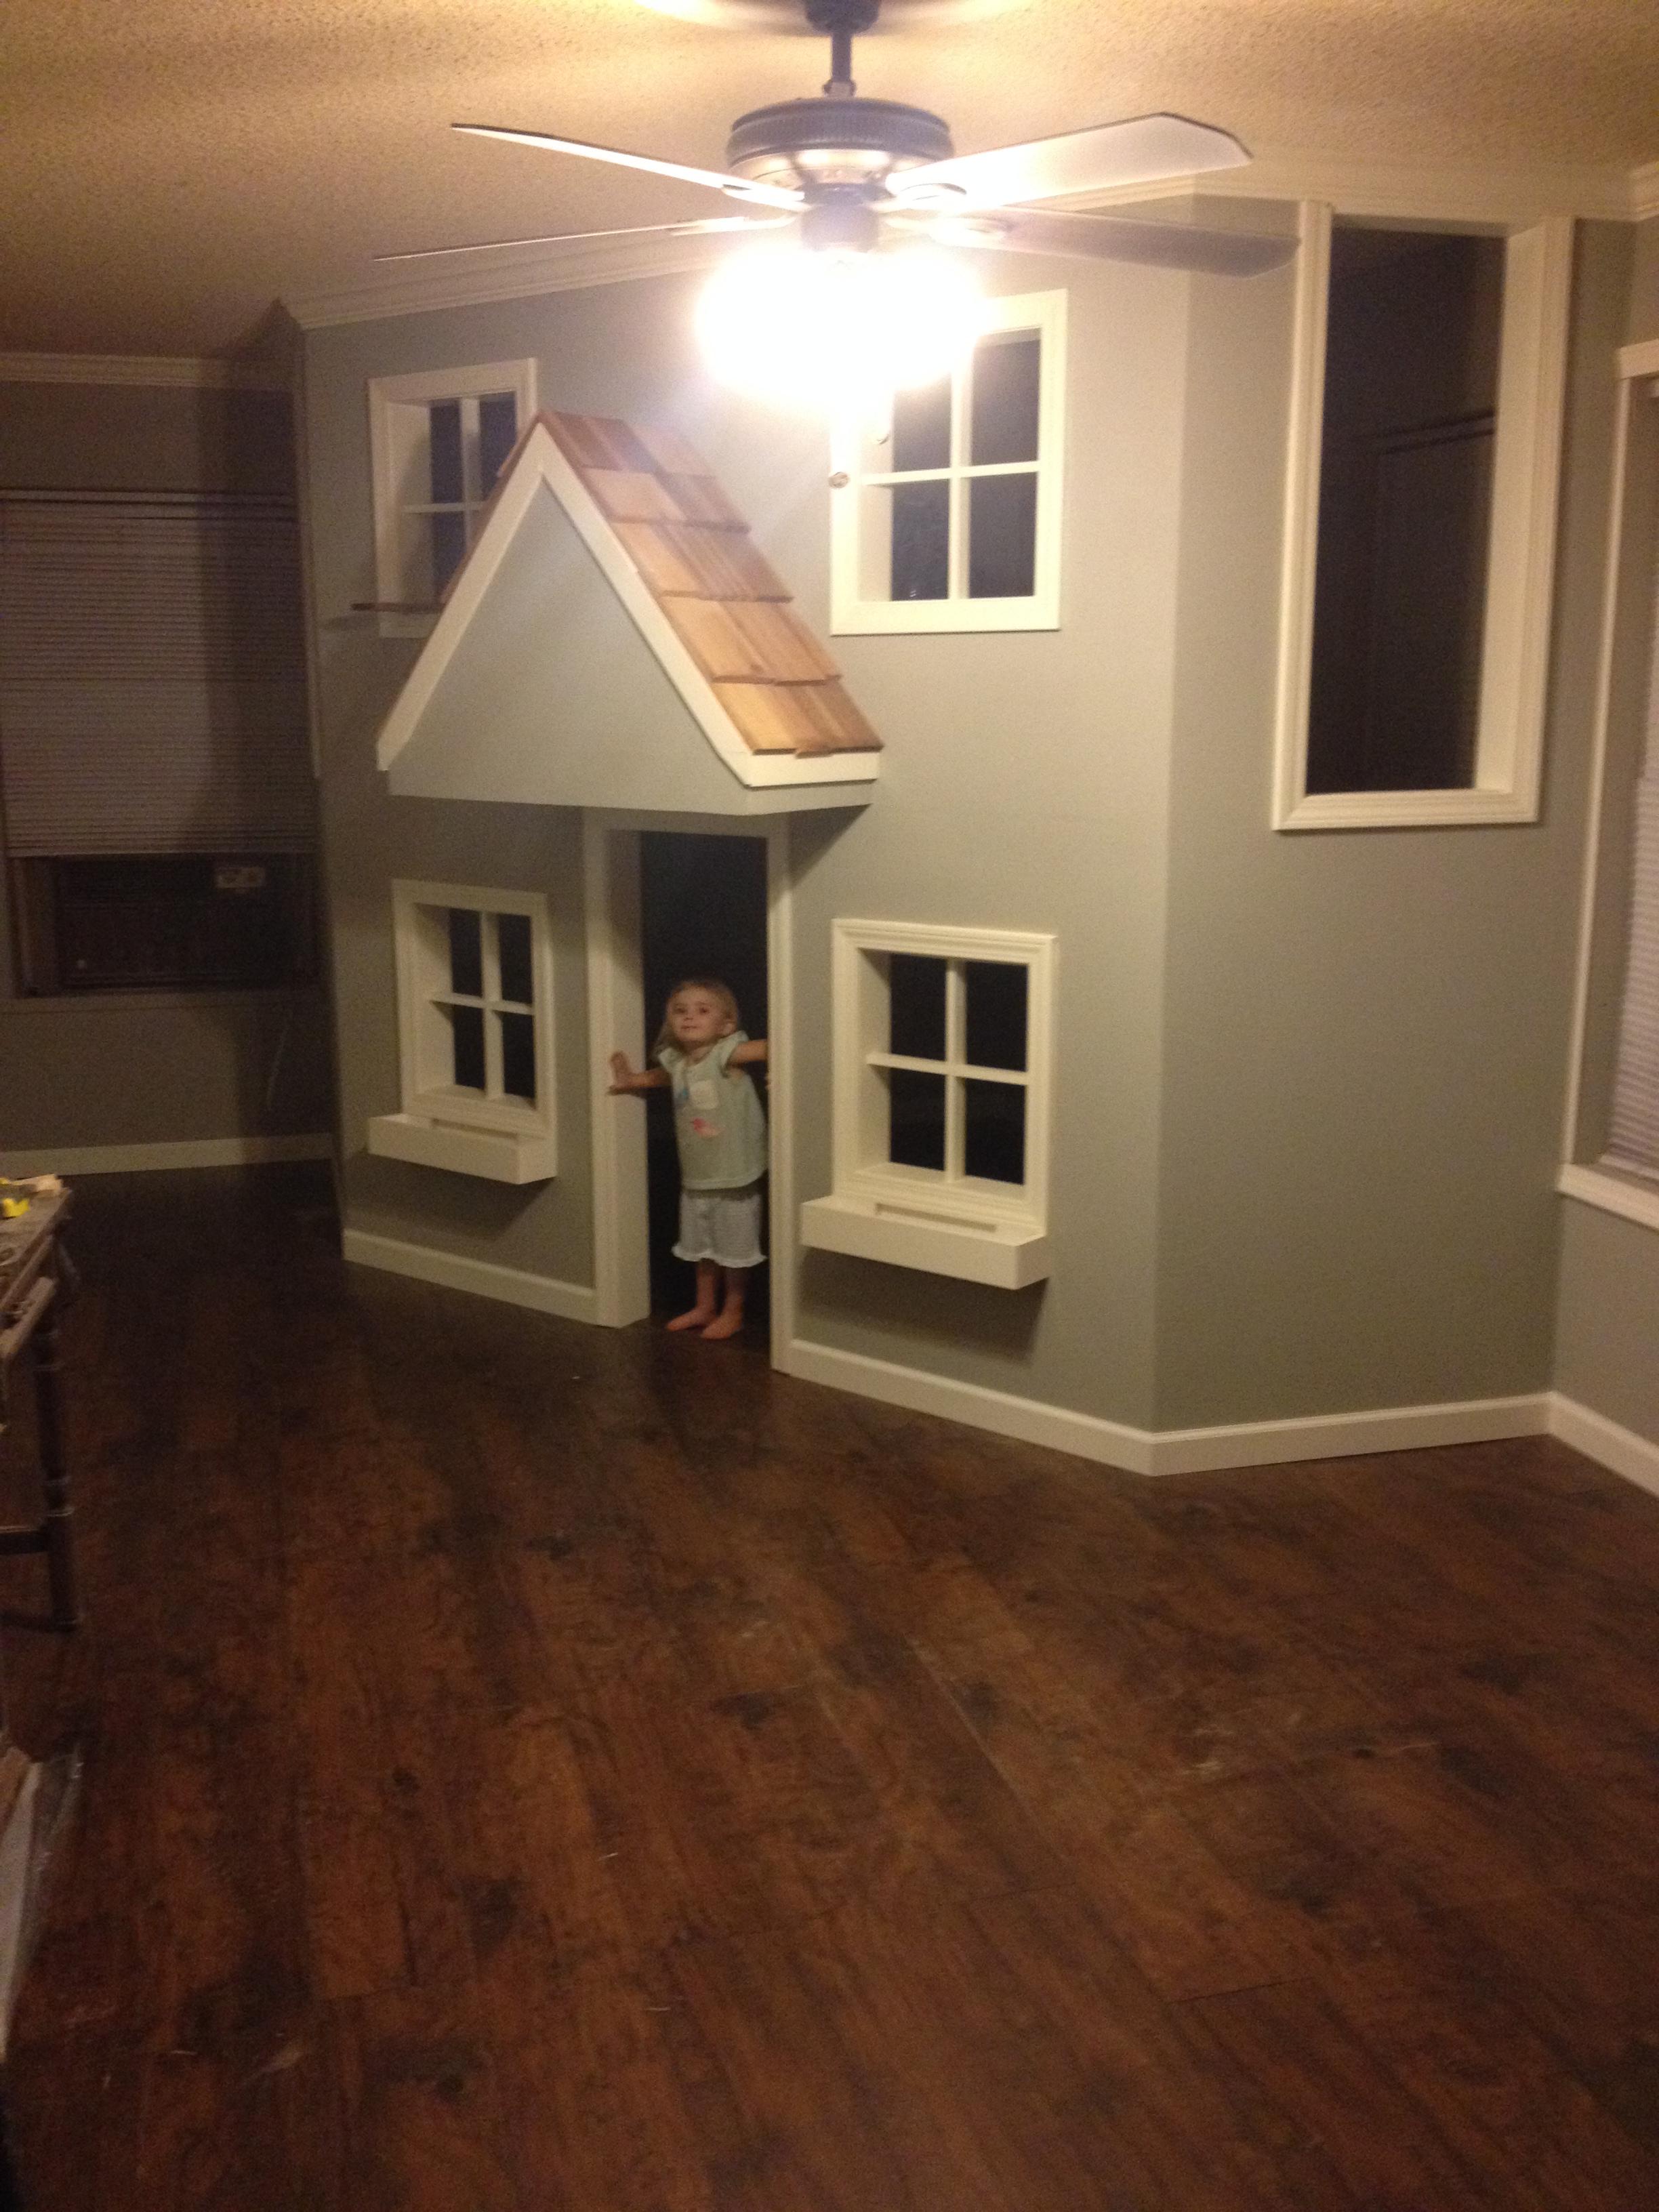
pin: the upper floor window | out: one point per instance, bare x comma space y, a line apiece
1426, 441
946, 509
439, 440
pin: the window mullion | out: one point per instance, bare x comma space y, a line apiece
961, 389
955, 1047
491, 949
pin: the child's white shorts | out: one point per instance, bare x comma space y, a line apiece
721, 1225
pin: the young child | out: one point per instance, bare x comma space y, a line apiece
721, 1134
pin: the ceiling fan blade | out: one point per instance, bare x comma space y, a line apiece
1110, 238
743, 188
1137, 151
708, 224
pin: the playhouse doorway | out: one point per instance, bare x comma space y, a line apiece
702, 912
666, 897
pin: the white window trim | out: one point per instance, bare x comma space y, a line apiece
851, 614
387, 396
504, 1139
1521, 568
946, 1223
1611, 1185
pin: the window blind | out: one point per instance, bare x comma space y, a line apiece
152, 676
1633, 1139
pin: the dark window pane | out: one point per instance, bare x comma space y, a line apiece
921, 427
916, 1123
916, 992
498, 432
517, 1055
996, 1013
469, 1033
1003, 418
1404, 510
447, 482
994, 1133
448, 547
1001, 537
513, 945
466, 952
921, 541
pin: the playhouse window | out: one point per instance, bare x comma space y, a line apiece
1426, 433
475, 1021
440, 443
943, 1050
946, 509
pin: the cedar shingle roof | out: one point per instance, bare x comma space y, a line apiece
694, 554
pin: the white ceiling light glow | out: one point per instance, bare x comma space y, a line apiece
824, 329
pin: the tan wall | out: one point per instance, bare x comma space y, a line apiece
119, 1071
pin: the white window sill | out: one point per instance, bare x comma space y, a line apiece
1408, 810
930, 617
498, 1155
1627, 1195
1007, 1254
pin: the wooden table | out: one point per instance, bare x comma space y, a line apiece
32, 1271
35, 1794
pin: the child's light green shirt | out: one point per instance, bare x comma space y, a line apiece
719, 1124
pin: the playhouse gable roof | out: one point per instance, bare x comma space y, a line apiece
701, 597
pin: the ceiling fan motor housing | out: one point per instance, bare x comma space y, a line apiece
842, 141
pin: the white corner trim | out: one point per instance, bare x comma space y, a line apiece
484, 1279
1641, 359
1635, 1457
1611, 1192
197, 373
187, 1152
1644, 192
1169, 1451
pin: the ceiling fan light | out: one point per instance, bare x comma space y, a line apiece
828, 330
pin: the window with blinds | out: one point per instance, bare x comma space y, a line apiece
1633, 1138
152, 712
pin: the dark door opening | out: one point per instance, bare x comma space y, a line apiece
702, 912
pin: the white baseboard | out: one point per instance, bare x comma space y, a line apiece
1635, 1457
187, 1152
1170, 1451
484, 1278
1026, 1420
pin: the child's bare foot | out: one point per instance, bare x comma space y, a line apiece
728, 1325
699, 1317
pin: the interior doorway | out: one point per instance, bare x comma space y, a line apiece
702, 912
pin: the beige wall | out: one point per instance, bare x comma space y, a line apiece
1310, 1086
119, 1071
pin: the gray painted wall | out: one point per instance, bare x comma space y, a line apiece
119, 1071
1310, 1086
1367, 1031
1607, 1341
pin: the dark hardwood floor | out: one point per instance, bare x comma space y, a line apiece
536, 1769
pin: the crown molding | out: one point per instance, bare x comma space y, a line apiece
1644, 192
197, 374
489, 277
1464, 191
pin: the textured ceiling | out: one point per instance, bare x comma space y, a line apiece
169, 167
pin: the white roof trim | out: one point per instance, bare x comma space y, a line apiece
541, 466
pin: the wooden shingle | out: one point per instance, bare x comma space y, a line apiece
693, 553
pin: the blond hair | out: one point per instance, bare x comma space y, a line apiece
717, 991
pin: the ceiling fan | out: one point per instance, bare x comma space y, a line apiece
852, 170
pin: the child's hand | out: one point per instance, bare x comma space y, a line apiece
622, 1078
